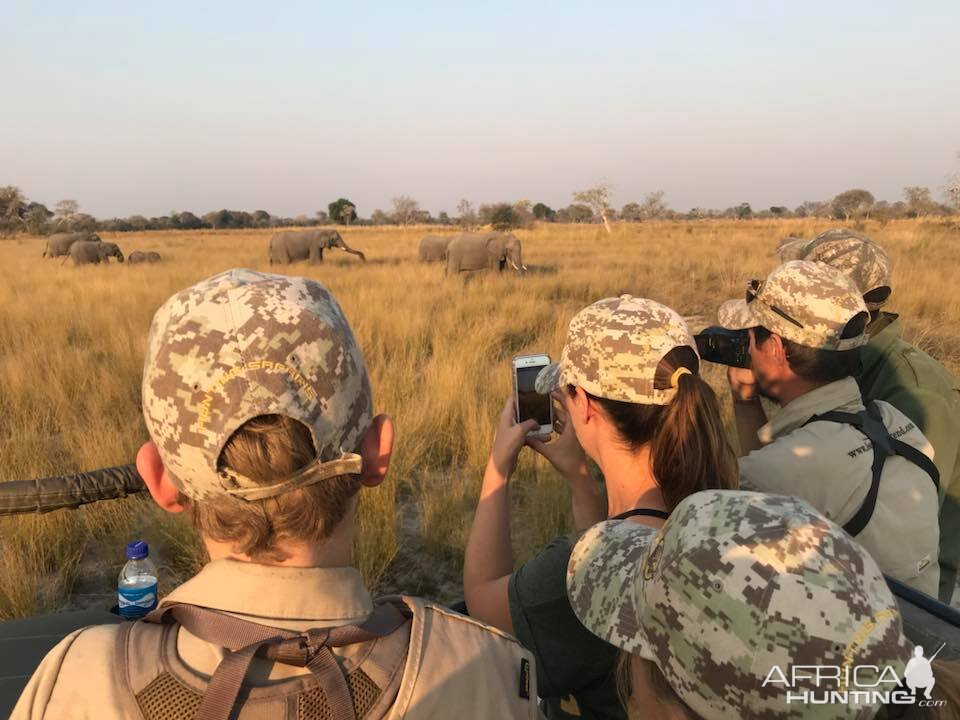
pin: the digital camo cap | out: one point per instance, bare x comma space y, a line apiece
852, 253
806, 302
613, 348
243, 344
733, 584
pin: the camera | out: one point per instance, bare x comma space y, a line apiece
724, 347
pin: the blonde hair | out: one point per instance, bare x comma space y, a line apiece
268, 449
662, 691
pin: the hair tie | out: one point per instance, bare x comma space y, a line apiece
675, 378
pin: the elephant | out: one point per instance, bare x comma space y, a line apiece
86, 253
138, 256
434, 247
291, 246
59, 244
477, 251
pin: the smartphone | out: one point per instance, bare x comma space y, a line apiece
527, 401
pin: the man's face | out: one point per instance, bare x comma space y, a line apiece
765, 367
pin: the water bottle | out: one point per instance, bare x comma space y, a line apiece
137, 585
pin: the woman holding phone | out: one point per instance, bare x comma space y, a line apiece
631, 399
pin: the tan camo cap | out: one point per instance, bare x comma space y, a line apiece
808, 303
855, 255
733, 584
613, 348
243, 344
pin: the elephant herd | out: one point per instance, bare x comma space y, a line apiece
465, 252
468, 251
474, 251
87, 248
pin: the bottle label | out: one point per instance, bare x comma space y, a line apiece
134, 602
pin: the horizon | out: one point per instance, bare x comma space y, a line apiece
141, 111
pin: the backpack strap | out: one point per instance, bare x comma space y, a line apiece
870, 423
310, 649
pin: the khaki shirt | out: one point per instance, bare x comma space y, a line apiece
77, 679
829, 465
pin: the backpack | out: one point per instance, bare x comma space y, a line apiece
870, 423
472, 671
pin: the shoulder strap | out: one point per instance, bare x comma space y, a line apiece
870, 423
310, 649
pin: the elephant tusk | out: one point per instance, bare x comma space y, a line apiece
524, 268
514, 266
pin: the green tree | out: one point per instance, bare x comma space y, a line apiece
852, 203
37, 219
544, 212
743, 211
504, 216
342, 211
189, 221
575, 213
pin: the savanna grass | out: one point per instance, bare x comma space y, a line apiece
438, 351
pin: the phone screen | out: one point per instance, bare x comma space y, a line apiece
530, 403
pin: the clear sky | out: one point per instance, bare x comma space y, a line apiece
151, 107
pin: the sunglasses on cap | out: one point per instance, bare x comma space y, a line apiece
754, 287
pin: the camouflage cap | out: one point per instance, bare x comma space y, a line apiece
805, 302
613, 348
855, 255
243, 344
734, 584
790, 248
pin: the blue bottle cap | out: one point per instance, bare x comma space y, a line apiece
137, 550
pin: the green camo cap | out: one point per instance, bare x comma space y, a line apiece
806, 302
733, 584
243, 344
613, 349
854, 254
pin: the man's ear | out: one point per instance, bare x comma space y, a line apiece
161, 487
376, 447
776, 350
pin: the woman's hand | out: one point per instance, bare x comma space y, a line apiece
509, 439
564, 452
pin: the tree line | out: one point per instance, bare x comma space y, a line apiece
19, 214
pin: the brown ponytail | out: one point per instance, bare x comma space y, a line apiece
689, 449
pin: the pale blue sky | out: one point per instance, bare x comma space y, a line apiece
152, 107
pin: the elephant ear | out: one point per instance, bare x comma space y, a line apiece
496, 247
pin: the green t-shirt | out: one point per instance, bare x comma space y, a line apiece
927, 393
575, 669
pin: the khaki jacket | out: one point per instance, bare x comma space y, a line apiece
829, 466
455, 666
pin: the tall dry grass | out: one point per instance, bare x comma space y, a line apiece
438, 351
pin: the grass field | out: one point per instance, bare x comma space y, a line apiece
438, 351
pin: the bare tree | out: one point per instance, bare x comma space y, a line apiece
918, 200
598, 199
65, 210
406, 210
951, 191
653, 205
468, 217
